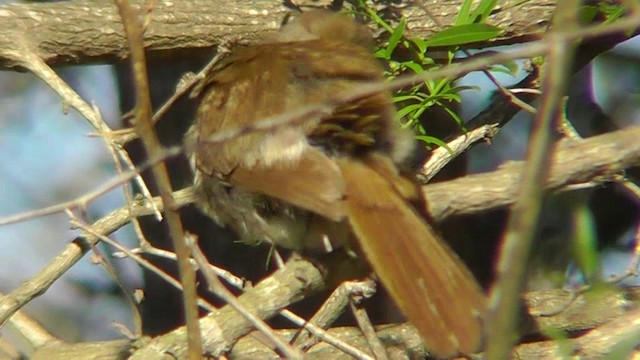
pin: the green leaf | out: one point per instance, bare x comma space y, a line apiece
463, 15
560, 339
451, 96
464, 34
456, 117
438, 86
434, 140
417, 68
375, 17
509, 67
585, 240
587, 14
420, 44
458, 89
482, 12
409, 109
613, 13
381, 53
396, 36
401, 98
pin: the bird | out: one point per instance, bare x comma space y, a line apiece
339, 175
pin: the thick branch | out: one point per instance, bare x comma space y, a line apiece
601, 312
222, 328
596, 159
86, 31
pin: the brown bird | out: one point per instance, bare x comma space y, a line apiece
332, 175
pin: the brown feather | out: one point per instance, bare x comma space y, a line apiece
425, 278
318, 177
313, 183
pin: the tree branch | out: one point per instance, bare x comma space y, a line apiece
220, 329
591, 161
604, 314
85, 31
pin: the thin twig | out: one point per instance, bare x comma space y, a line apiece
632, 190
233, 280
224, 326
216, 287
29, 59
362, 318
100, 259
140, 260
144, 127
81, 201
31, 330
441, 156
505, 293
73, 252
184, 85
327, 314
330, 310
321, 335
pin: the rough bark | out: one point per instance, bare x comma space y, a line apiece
86, 31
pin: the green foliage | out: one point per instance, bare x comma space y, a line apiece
464, 34
609, 12
409, 55
583, 227
585, 243
509, 68
476, 16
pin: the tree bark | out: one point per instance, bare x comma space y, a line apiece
86, 31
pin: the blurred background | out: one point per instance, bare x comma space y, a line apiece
47, 157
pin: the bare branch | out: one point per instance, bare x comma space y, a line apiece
606, 314
73, 252
523, 217
144, 127
223, 327
36, 335
593, 160
216, 287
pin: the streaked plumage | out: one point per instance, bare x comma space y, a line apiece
279, 184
